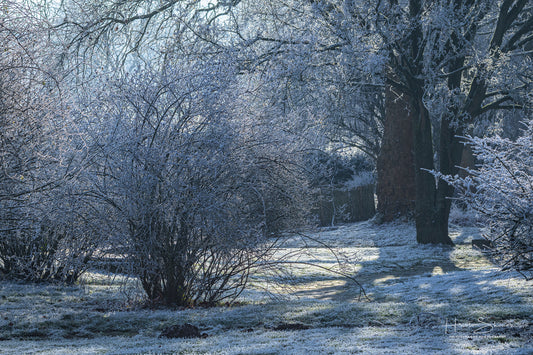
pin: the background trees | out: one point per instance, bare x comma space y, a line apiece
450, 64
446, 65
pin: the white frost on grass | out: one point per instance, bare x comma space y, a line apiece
422, 299
368, 340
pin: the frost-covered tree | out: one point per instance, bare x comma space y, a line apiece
455, 61
449, 63
501, 190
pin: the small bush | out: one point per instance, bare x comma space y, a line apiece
35, 247
334, 169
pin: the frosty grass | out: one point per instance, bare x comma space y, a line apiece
422, 299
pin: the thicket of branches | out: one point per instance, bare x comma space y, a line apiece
501, 190
197, 187
47, 230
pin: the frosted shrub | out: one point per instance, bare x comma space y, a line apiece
501, 190
36, 249
44, 229
199, 192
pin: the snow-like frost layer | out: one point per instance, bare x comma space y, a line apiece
422, 299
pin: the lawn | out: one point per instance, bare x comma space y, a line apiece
420, 299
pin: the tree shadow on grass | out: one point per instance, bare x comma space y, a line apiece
430, 287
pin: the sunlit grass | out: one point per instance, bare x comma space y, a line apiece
431, 298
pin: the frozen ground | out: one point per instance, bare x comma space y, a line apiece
421, 299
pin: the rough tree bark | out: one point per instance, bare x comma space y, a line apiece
395, 187
432, 204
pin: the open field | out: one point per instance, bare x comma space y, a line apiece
421, 299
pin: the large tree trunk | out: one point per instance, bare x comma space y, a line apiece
432, 207
395, 187
450, 154
430, 217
